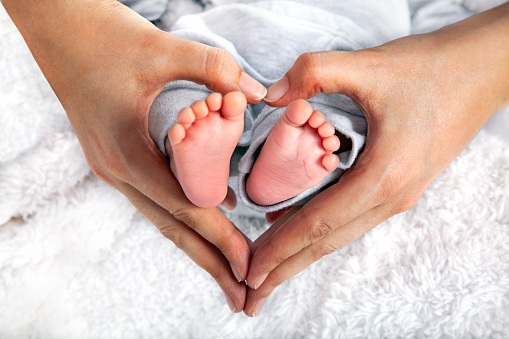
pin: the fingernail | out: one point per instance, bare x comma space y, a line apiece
228, 204
230, 201
251, 88
276, 91
258, 307
260, 281
230, 303
236, 273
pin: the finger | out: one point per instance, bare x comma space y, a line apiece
293, 265
213, 67
203, 253
160, 186
272, 217
357, 192
312, 73
285, 215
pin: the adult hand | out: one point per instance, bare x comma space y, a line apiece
107, 64
425, 97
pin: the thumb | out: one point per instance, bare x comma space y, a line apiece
315, 72
213, 67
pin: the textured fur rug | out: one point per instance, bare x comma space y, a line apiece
78, 261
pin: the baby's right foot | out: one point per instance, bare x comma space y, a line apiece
297, 155
200, 146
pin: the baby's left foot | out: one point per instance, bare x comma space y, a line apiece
296, 156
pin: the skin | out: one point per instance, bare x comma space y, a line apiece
297, 155
425, 97
205, 137
106, 65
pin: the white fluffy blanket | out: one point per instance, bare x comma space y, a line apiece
78, 261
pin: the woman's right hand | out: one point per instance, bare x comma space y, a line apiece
106, 65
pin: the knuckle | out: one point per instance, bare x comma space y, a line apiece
402, 187
151, 65
402, 206
319, 229
311, 67
322, 249
104, 174
118, 171
108, 164
407, 202
225, 241
215, 62
215, 274
186, 215
215, 271
174, 236
99, 171
395, 182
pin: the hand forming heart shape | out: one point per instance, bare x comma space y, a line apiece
420, 96
277, 222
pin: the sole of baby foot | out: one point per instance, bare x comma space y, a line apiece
297, 155
201, 144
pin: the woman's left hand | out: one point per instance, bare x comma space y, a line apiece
425, 97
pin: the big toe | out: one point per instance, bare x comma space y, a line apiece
234, 105
297, 113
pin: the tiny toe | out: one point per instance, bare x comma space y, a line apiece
330, 162
316, 119
200, 109
326, 130
331, 144
234, 105
297, 113
186, 116
214, 101
176, 134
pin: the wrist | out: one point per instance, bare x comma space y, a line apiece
478, 47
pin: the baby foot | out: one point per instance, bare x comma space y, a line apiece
296, 156
201, 144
